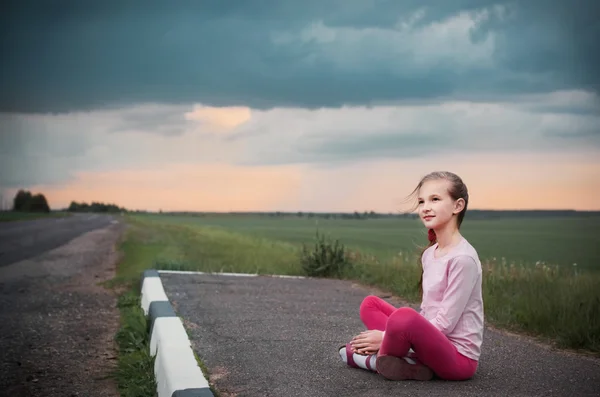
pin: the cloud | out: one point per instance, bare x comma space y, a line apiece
222, 119
34, 151
52, 149
350, 134
407, 48
168, 120
72, 56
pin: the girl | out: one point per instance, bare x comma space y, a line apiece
445, 337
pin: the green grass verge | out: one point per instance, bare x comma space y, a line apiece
135, 368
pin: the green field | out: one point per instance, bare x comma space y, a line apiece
529, 281
553, 241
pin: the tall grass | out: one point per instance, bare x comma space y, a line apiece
135, 367
557, 302
561, 304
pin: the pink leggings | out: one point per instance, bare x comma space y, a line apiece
405, 328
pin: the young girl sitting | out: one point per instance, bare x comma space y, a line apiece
445, 337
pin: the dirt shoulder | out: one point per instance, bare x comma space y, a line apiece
57, 325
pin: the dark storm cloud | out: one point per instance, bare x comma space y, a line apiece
73, 55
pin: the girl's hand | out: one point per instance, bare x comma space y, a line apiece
367, 342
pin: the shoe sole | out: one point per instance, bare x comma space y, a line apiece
396, 368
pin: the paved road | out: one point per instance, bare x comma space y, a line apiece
57, 325
264, 336
26, 239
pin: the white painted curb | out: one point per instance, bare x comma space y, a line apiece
168, 332
176, 371
152, 290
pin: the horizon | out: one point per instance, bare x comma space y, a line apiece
312, 108
6, 205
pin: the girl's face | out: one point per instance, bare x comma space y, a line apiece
436, 206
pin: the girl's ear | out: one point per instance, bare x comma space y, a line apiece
459, 205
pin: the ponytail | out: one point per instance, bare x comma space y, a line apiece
432, 237
432, 240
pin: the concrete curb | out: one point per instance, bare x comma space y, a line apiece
176, 370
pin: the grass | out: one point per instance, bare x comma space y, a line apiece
560, 241
135, 368
559, 303
9, 216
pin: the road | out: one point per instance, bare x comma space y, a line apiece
26, 239
265, 336
57, 324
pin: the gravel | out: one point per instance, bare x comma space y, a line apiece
57, 325
27, 239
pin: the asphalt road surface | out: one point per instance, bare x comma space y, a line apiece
265, 336
57, 323
26, 239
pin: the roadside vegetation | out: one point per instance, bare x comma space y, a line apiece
135, 367
560, 304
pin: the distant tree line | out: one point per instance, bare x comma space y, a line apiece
471, 214
24, 201
94, 207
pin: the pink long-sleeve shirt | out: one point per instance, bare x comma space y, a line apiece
452, 297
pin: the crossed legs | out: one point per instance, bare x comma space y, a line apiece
404, 329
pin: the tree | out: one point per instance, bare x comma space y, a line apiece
24, 201
39, 204
94, 207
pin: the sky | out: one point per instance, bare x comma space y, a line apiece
319, 105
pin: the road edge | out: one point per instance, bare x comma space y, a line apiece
176, 370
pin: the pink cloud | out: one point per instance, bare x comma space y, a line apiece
225, 118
